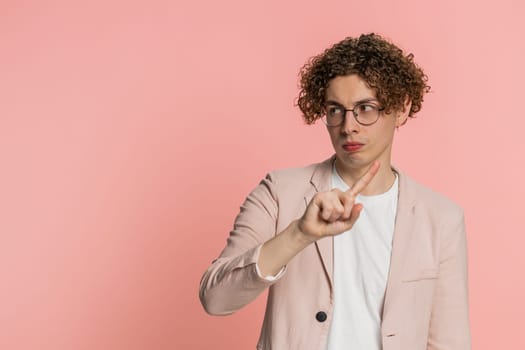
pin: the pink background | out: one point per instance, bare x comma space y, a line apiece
131, 132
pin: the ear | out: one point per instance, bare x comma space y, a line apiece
402, 116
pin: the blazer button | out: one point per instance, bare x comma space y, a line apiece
321, 316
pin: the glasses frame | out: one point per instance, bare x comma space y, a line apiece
354, 113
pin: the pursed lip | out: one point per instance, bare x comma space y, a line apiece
352, 144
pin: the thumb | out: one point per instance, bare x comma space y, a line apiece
354, 215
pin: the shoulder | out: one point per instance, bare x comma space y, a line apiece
294, 174
433, 202
293, 182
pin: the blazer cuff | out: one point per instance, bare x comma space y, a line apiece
270, 278
255, 258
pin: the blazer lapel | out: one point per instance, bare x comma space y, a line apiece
321, 181
403, 230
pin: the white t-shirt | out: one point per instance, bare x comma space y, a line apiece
361, 264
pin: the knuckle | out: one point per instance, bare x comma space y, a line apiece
340, 209
350, 196
328, 206
348, 199
317, 196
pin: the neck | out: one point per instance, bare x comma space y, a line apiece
381, 182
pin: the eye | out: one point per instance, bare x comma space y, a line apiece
366, 107
333, 111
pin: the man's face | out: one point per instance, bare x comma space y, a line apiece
376, 139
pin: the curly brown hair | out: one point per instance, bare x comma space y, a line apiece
381, 64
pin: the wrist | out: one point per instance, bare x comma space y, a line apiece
298, 236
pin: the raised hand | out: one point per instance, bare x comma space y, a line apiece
334, 212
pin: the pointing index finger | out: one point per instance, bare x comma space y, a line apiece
365, 179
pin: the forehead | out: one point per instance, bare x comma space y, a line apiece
348, 89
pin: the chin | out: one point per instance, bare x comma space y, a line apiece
353, 160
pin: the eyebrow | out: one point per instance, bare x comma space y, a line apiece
369, 99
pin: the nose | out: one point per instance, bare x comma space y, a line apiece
350, 125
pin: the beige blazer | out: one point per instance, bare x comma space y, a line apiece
426, 301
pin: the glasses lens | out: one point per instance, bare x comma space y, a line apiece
334, 115
367, 113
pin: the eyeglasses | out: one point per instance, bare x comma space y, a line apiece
365, 113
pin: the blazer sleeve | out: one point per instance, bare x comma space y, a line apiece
449, 323
232, 280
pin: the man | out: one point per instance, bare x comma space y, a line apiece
356, 254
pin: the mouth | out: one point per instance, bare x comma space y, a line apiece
352, 146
